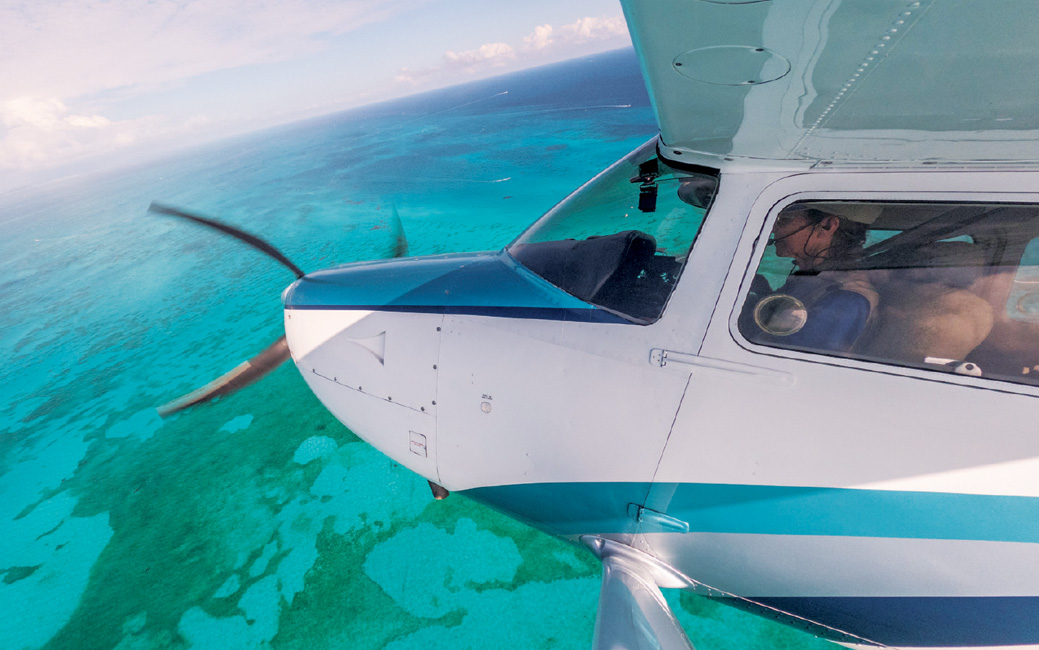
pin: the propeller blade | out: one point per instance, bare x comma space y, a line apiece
400, 247
241, 235
243, 375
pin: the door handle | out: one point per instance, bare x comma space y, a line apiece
670, 358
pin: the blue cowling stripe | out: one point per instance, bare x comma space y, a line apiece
581, 508
484, 284
537, 313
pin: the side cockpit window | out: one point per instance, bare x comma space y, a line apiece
1023, 302
620, 241
942, 286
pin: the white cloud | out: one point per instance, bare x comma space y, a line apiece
77, 75
544, 40
594, 29
488, 55
44, 132
59, 56
494, 54
83, 121
32, 121
67, 48
32, 112
584, 30
540, 38
407, 75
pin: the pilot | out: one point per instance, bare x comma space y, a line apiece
824, 305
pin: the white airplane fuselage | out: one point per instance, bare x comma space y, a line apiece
865, 502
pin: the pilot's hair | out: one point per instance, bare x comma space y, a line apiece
850, 236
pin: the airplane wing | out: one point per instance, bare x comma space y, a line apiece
836, 81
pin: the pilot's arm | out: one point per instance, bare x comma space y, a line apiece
834, 322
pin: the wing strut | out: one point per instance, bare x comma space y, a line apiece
632, 611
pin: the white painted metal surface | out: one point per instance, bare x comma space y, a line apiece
376, 372
558, 413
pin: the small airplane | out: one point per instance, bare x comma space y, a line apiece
785, 355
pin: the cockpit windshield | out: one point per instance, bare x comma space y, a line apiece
621, 240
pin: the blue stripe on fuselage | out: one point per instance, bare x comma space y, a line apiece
571, 509
483, 284
907, 622
583, 508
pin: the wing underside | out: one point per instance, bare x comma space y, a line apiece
842, 81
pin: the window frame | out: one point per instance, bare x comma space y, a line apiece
835, 186
652, 148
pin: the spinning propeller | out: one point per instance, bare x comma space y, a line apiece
277, 353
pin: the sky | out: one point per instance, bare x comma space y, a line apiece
83, 81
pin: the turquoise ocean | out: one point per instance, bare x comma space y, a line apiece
259, 521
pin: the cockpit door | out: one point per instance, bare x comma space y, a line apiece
781, 459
